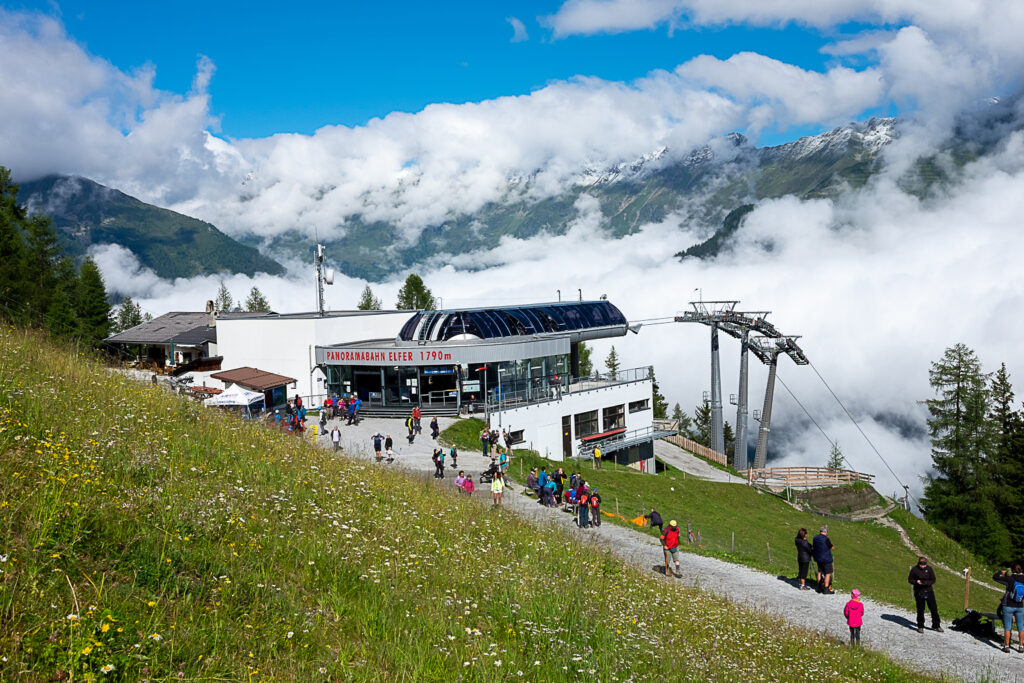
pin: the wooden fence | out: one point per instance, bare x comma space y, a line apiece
804, 476
698, 449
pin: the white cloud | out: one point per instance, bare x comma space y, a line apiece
519, 33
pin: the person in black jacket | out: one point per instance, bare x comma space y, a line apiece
922, 578
655, 520
821, 549
804, 553
1011, 606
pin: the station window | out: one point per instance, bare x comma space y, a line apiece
586, 424
614, 417
637, 406
516, 436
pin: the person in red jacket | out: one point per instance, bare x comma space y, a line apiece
854, 613
670, 543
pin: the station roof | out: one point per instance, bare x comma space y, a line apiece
252, 378
587, 319
163, 329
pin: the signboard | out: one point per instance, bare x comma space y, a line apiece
443, 370
387, 356
471, 385
468, 354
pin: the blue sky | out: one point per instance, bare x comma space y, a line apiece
295, 68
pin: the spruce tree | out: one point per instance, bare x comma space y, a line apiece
256, 302
127, 316
660, 404
91, 305
367, 301
12, 251
835, 458
729, 437
683, 421
702, 424
223, 302
958, 497
60, 319
586, 364
612, 363
1007, 455
42, 251
414, 295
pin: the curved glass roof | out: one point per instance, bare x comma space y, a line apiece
511, 321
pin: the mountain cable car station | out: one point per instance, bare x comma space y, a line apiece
518, 365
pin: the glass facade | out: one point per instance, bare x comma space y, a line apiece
494, 323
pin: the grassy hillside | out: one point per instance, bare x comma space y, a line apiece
147, 538
740, 524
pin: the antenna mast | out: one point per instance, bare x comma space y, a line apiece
322, 277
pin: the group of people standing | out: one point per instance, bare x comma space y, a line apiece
348, 406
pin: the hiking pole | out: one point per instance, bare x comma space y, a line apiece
967, 587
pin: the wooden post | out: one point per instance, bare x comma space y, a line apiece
733, 544
967, 588
769, 546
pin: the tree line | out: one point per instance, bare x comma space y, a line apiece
39, 285
975, 493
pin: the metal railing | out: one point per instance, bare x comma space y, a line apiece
554, 387
622, 440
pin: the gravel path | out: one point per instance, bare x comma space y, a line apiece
887, 629
691, 464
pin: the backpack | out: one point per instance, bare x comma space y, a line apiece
1017, 591
976, 624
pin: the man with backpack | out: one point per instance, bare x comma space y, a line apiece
1013, 604
922, 578
595, 508
670, 544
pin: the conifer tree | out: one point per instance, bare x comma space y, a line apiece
256, 302
1007, 455
127, 316
835, 458
660, 404
612, 363
91, 305
60, 317
367, 301
729, 437
958, 497
42, 251
702, 424
414, 295
12, 250
586, 364
683, 421
223, 302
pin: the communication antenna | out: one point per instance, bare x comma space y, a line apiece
323, 277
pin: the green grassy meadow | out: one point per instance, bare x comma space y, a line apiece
740, 524
146, 538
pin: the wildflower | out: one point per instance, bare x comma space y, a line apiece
290, 634
104, 628
323, 669
156, 636
86, 650
151, 603
107, 668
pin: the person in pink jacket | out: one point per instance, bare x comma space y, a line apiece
854, 613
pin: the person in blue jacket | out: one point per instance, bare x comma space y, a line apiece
822, 550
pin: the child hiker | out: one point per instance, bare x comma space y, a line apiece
854, 613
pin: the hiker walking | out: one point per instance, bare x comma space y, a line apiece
854, 613
454, 455
1013, 604
822, 551
584, 509
485, 442
460, 481
595, 508
377, 442
438, 458
435, 430
497, 488
804, 553
670, 544
922, 578
597, 457
336, 437
655, 520
389, 448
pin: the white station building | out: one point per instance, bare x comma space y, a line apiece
516, 366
